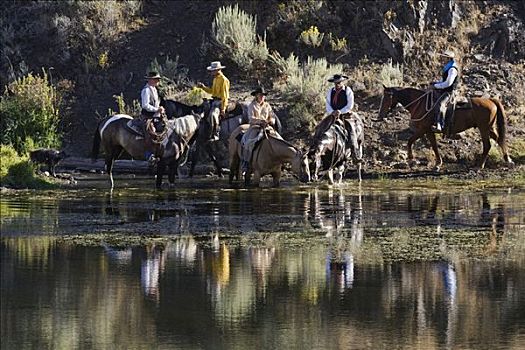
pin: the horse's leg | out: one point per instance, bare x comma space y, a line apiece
172, 168
110, 161
161, 165
234, 167
331, 176
256, 178
415, 136
485, 138
340, 171
432, 138
109, 169
194, 158
503, 146
276, 178
214, 159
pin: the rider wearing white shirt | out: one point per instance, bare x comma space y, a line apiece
340, 98
445, 89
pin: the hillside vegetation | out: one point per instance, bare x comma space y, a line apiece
94, 55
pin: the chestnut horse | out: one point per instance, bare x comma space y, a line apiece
486, 114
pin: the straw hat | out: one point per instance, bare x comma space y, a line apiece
216, 65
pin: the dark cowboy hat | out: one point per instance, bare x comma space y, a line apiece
152, 75
259, 90
338, 78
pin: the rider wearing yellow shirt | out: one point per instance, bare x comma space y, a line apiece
220, 91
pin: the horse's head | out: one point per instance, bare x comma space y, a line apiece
388, 101
318, 148
301, 167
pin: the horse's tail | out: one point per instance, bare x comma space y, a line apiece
96, 142
501, 122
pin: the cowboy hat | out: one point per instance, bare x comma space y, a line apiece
337, 78
216, 65
152, 75
448, 53
259, 90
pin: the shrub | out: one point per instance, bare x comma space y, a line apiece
306, 85
174, 76
311, 37
133, 110
30, 110
194, 96
19, 172
391, 74
235, 32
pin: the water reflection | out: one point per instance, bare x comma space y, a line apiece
189, 211
186, 293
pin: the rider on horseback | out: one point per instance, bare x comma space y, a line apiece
339, 101
340, 98
445, 89
220, 91
150, 103
261, 117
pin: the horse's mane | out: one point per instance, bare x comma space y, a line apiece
406, 95
282, 141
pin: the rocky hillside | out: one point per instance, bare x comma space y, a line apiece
107, 55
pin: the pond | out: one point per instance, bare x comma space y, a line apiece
401, 264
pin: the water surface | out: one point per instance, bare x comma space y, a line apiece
297, 267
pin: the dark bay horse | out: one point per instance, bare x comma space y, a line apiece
335, 142
486, 114
115, 137
203, 140
267, 158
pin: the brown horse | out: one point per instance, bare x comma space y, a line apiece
267, 158
486, 114
115, 137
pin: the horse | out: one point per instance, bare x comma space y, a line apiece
486, 114
176, 109
237, 115
115, 137
267, 158
334, 143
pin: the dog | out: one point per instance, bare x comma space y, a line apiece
48, 156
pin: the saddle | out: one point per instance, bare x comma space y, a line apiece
138, 127
460, 104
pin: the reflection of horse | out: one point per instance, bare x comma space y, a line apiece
267, 158
114, 136
486, 114
335, 141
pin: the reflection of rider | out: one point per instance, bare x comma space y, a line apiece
220, 91
150, 104
444, 89
261, 116
151, 269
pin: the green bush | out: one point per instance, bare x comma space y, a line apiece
304, 86
19, 172
391, 74
30, 114
235, 32
174, 76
